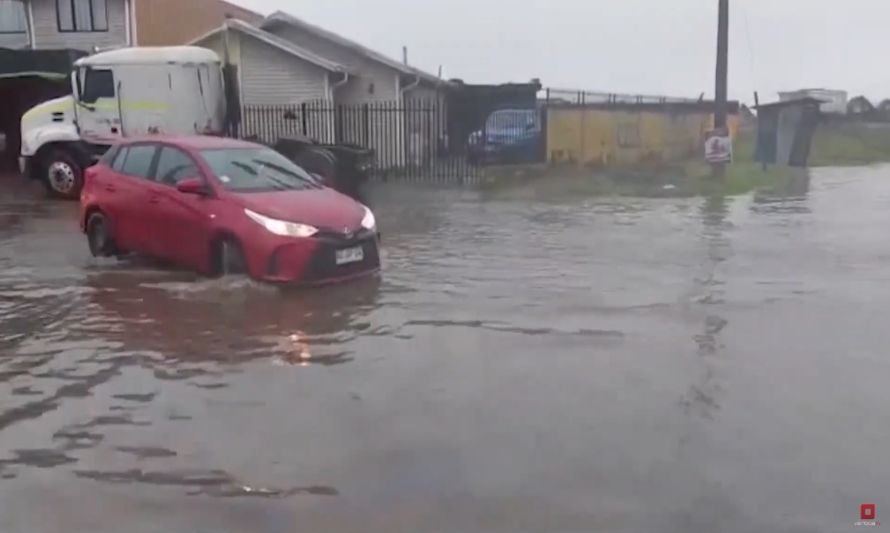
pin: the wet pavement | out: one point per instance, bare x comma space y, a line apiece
531, 360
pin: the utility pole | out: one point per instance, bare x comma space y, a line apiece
722, 65
722, 83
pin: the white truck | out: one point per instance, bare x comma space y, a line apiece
128, 92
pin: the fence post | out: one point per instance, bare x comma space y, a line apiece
304, 117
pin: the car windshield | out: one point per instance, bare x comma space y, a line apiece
257, 170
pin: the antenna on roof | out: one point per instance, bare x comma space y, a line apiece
405, 54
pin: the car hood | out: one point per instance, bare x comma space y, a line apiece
323, 208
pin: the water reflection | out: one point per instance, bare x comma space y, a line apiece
702, 397
227, 321
789, 197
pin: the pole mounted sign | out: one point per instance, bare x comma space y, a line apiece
718, 146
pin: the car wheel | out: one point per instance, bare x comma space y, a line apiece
231, 259
62, 175
100, 237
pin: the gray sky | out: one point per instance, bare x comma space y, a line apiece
637, 46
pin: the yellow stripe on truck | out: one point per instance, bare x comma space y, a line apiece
103, 106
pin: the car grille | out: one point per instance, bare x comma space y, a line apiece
323, 264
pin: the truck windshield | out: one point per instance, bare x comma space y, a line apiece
257, 170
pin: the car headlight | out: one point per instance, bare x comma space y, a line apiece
282, 227
369, 222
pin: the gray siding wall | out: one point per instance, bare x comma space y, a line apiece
13, 40
271, 77
368, 72
47, 34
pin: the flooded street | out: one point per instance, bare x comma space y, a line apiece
531, 360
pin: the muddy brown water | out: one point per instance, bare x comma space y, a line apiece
531, 360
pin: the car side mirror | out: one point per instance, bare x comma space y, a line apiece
193, 186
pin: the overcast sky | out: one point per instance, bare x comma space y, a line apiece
637, 46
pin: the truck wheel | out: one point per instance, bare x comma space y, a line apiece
62, 175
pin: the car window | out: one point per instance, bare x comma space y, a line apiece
174, 165
109, 156
118, 162
138, 160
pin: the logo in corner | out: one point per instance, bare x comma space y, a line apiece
868, 515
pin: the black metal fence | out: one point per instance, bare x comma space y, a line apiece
410, 138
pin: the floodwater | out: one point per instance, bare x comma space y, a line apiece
531, 360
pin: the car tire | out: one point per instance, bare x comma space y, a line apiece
100, 236
62, 175
230, 259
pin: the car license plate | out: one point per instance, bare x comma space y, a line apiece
350, 255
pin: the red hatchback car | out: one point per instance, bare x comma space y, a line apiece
221, 206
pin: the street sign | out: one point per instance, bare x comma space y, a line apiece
718, 146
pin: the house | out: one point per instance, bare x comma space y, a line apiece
833, 102
272, 70
884, 106
173, 22
100, 24
860, 106
275, 76
375, 77
73, 24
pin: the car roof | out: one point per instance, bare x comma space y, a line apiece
193, 142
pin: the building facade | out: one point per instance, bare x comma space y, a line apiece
86, 25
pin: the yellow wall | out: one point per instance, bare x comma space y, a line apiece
603, 137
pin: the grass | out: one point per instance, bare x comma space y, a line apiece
685, 179
850, 145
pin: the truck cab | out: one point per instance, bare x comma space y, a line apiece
121, 93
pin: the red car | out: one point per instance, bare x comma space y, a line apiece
221, 206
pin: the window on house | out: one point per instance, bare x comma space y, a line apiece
12, 17
97, 84
82, 15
